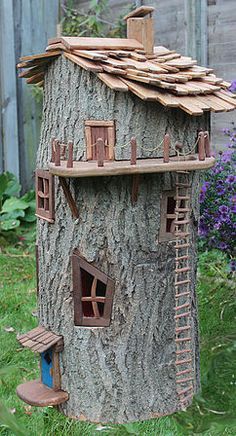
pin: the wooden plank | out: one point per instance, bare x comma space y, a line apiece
32, 71
8, 94
36, 78
225, 97
90, 55
142, 11
215, 103
113, 82
70, 200
41, 56
112, 70
84, 63
142, 30
74, 43
36, 393
150, 94
99, 123
143, 166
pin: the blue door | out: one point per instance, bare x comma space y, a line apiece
47, 368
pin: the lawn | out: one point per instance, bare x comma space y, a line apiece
213, 412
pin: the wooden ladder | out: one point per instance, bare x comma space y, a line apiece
184, 372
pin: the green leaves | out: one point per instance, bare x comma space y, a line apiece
14, 210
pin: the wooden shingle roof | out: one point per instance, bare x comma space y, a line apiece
165, 76
39, 339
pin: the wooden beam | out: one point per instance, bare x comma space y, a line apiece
69, 198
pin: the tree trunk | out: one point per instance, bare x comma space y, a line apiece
124, 372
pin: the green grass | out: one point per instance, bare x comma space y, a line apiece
213, 413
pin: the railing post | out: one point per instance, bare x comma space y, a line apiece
207, 144
166, 148
201, 146
57, 153
133, 158
100, 152
53, 150
70, 155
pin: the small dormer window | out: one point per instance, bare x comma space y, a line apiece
95, 129
93, 294
44, 195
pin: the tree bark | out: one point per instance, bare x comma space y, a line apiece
124, 372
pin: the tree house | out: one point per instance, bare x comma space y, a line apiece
124, 140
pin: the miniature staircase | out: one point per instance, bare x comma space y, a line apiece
184, 376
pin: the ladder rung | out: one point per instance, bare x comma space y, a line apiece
185, 390
188, 397
179, 246
181, 222
186, 256
180, 270
182, 197
182, 209
182, 294
182, 306
184, 380
183, 185
182, 315
181, 234
185, 371
183, 351
183, 339
182, 329
183, 362
182, 282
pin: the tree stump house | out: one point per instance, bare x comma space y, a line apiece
124, 140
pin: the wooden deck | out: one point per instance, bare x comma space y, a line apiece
118, 168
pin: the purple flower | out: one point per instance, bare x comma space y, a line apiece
231, 179
232, 265
222, 246
223, 209
232, 87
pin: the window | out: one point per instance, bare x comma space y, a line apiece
44, 195
93, 294
100, 129
167, 216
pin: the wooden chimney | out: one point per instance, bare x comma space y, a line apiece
140, 27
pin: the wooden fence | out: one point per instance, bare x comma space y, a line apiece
25, 26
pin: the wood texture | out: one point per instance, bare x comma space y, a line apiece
39, 339
135, 356
36, 393
74, 43
70, 200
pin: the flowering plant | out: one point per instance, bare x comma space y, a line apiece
217, 228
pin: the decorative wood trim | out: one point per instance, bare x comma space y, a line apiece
143, 166
99, 123
109, 138
56, 371
37, 267
44, 186
163, 234
69, 198
97, 320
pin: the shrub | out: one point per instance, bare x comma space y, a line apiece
14, 210
217, 227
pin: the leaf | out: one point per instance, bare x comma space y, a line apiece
13, 187
18, 213
10, 224
14, 203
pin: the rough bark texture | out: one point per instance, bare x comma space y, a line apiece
126, 371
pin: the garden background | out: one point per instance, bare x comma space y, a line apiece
203, 29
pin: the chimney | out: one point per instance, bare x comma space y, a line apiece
140, 27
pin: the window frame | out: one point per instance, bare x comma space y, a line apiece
78, 263
41, 212
110, 125
165, 236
